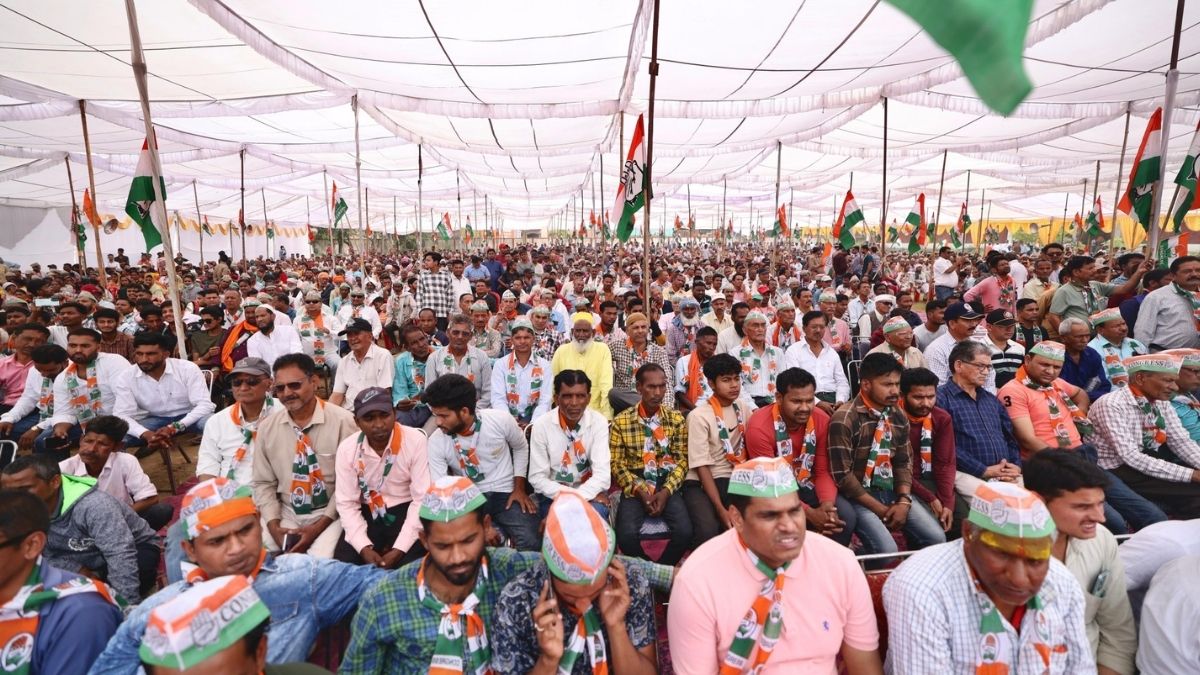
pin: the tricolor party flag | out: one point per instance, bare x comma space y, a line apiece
141, 198
89, 209
848, 217
916, 218
204, 228
959, 232
443, 227
469, 232
631, 192
1095, 219
781, 226
1147, 167
339, 206
1186, 179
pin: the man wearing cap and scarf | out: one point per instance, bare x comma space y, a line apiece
761, 361
222, 536
318, 326
1140, 438
365, 365
1185, 403
502, 320
582, 610
1007, 354
898, 343
592, 357
486, 339
996, 601
228, 444
461, 357
1113, 344
273, 339
783, 331
872, 320
359, 309
743, 602
43, 608
382, 471
629, 355
681, 333
521, 380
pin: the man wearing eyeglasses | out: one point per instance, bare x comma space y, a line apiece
318, 325
293, 468
358, 309
205, 343
461, 357
366, 365
230, 436
983, 433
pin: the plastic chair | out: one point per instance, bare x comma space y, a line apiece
8, 452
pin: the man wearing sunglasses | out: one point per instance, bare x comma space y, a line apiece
293, 469
359, 309
318, 325
205, 343
34, 637
230, 436
366, 365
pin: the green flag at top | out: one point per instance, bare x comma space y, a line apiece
141, 198
986, 37
631, 193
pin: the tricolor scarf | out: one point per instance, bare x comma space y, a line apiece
249, 432
926, 450
586, 638
308, 482
1008, 292
45, 402
373, 496
575, 467
418, 373
19, 616
752, 364
697, 384
1193, 298
689, 334
314, 327
1089, 297
461, 631
657, 462
733, 455
1187, 400
878, 472
636, 358
1058, 418
784, 339
761, 627
1154, 425
86, 397
468, 459
452, 366
512, 394
803, 466
1039, 334
1113, 367
996, 650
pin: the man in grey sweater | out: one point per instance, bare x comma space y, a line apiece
91, 533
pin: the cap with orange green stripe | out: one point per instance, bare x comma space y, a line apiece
763, 477
450, 498
200, 622
578, 544
213, 503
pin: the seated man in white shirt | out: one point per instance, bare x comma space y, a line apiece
1169, 642
161, 396
318, 325
521, 381
569, 446
273, 339
82, 392
488, 447
116, 472
819, 359
227, 447
463, 358
24, 422
366, 365
358, 309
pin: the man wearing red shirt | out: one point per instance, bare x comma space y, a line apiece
794, 427
931, 437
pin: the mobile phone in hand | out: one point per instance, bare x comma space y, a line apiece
290, 540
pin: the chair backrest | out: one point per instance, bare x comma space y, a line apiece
8, 452
210, 379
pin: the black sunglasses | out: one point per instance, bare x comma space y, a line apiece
287, 386
245, 382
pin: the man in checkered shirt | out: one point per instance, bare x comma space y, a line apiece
435, 288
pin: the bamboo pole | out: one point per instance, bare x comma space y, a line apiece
139, 76
328, 207
778, 175
200, 220
649, 159
362, 254
87, 149
1168, 113
76, 220
242, 210
420, 206
884, 193
266, 222
937, 214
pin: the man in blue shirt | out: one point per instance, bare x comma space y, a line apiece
1083, 367
985, 446
476, 271
495, 269
1185, 403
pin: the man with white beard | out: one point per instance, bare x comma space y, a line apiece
681, 333
592, 357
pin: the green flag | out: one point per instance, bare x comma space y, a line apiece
631, 193
141, 198
1139, 193
339, 206
848, 217
1186, 180
1095, 220
986, 37
916, 218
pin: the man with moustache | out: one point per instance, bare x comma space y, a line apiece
272, 340
592, 357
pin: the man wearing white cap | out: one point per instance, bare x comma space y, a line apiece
783, 332
761, 362
872, 320
681, 333
592, 357
994, 602
318, 326
590, 612
1113, 344
273, 339
743, 601
1185, 403
521, 381
1141, 441
898, 343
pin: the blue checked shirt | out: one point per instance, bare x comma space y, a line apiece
983, 433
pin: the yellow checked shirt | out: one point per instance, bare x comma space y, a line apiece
627, 442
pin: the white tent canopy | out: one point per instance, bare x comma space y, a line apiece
522, 104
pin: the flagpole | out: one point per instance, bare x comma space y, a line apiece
395, 226
1091, 241
884, 194
362, 254
199, 221
1062, 236
76, 220
982, 220
139, 75
1082, 206
366, 233
307, 227
458, 196
1112, 233
723, 228
778, 175
242, 210
1165, 134
87, 149
649, 162
937, 214
420, 206
328, 212
266, 224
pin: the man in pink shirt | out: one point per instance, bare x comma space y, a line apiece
998, 291
382, 471
14, 368
806, 625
